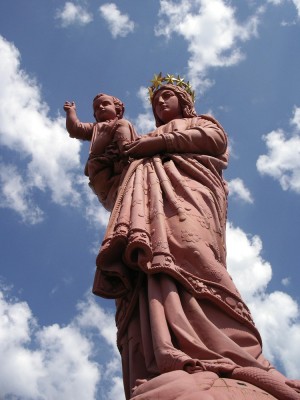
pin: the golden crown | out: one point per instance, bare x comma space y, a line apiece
160, 80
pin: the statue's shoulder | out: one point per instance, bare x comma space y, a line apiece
126, 126
210, 118
124, 122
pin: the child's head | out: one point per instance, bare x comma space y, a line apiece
107, 107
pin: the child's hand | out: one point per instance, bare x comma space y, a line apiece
69, 106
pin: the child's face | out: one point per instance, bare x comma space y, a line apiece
104, 109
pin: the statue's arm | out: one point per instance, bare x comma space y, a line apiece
77, 129
206, 138
145, 146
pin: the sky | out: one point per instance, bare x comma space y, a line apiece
57, 340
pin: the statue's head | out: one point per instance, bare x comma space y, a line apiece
114, 107
186, 107
181, 89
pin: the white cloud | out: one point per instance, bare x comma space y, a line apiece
286, 281
117, 391
296, 118
56, 362
237, 189
94, 212
211, 31
26, 128
282, 162
119, 24
276, 314
143, 95
69, 371
277, 317
91, 316
73, 14
276, 2
15, 194
144, 122
50, 159
297, 5
251, 273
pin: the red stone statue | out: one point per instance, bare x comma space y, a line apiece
184, 331
108, 136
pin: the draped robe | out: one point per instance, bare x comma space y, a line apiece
163, 259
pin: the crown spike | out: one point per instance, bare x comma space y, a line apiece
159, 80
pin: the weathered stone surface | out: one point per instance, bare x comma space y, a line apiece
179, 385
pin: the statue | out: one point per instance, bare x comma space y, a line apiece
183, 329
107, 136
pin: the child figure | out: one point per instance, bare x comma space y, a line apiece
108, 136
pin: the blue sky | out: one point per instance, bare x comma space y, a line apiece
243, 59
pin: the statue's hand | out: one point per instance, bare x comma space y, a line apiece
69, 105
145, 147
294, 383
193, 366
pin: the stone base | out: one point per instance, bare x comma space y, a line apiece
179, 385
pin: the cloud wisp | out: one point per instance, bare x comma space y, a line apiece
239, 191
144, 122
282, 161
73, 14
211, 30
119, 24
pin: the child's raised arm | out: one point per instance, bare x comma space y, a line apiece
77, 129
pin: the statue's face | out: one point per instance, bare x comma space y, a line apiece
167, 106
104, 108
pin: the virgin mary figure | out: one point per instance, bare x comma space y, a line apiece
163, 257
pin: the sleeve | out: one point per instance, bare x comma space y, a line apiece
124, 133
82, 130
206, 137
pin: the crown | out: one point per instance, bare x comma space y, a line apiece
159, 80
